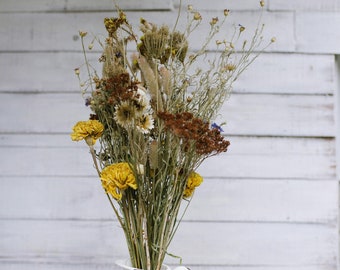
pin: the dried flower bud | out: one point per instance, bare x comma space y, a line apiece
219, 42
96, 79
262, 3
131, 38
190, 7
122, 15
146, 24
230, 67
82, 34
91, 46
273, 39
242, 28
142, 20
77, 71
191, 57
197, 16
186, 83
226, 12
214, 21
102, 59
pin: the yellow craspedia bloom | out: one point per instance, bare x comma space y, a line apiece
89, 131
117, 177
194, 180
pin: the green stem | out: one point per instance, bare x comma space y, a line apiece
93, 154
86, 62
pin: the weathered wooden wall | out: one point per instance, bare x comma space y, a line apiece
271, 202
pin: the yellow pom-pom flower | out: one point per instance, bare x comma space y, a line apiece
194, 180
89, 131
116, 178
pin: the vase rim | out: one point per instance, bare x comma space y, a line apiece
126, 264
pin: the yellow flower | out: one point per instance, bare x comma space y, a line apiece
194, 180
116, 178
89, 131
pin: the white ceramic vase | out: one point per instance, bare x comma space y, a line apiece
126, 264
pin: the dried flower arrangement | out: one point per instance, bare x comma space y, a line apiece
153, 114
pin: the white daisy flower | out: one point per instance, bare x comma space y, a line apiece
125, 114
145, 123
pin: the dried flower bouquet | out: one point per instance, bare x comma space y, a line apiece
153, 114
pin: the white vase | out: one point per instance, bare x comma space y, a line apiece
126, 264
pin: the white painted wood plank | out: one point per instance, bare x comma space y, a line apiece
315, 34
233, 200
239, 145
245, 114
32, 5
37, 141
256, 244
221, 4
280, 115
315, 5
47, 71
269, 158
271, 161
90, 5
84, 5
245, 244
42, 112
271, 73
25, 32
289, 73
271, 200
